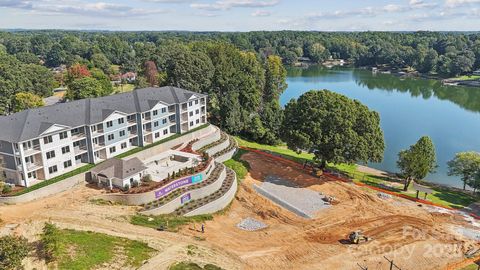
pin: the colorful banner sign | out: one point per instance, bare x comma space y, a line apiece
185, 198
178, 184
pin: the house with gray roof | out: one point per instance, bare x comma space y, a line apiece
118, 172
41, 143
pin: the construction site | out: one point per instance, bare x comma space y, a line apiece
281, 218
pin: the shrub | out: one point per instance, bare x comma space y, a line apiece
126, 187
50, 241
13, 249
6, 189
135, 184
147, 178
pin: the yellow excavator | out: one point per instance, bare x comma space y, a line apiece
358, 237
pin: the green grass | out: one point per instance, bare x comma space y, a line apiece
56, 179
192, 266
86, 250
240, 167
441, 196
470, 267
122, 88
466, 78
177, 135
169, 222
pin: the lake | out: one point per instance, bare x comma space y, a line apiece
408, 108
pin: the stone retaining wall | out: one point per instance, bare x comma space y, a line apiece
219, 203
226, 156
45, 191
146, 197
215, 136
217, 148
194, 195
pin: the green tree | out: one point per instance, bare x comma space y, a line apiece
25, 100
13, 249
467, 166
418, 161
99, 60
50, 240
84, 88
333, 127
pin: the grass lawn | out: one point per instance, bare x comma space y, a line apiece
239, 166
169, 222
86, 250
122, 88
467, 78
470, 267
192, 266
442, 196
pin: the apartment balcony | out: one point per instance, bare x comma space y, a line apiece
184, 108
99, 146
78, 136
132, 122
184, 117
98, 132
171, 109
33, 166
202, 101
32, 151
78, 150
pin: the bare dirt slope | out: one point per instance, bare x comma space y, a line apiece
401, 230
72, 209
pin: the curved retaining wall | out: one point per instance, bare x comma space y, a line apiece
194, 195
219, 203
146, 197
47, 190
226, 156
217, 148
211, 138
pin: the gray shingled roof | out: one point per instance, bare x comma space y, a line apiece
29, 124
119, 168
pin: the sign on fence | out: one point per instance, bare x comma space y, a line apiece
178, 184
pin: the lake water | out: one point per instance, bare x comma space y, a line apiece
409, 109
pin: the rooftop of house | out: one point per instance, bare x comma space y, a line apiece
32, 123
119, 168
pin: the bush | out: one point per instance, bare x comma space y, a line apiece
126, 187
13, 249
50, 241
147, 178
6, 189
135, 184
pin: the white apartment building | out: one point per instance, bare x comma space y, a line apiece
42, 143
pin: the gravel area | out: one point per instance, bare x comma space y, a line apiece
251, 224
469, 233
303, 200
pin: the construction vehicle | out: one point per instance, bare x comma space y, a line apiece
357, 237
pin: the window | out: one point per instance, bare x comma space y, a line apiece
65, 149
121, 121
165, 131
191, 113
122, 133
155, 113
32, 175
79, 157
93, 128
112, 150
50, 154
196, 101
63, 135
52, 169
109, 124
197, 111
191, 123
164, 110
47, 140
123, 145
157, 135
164, 121
190, 104
198, 121
155, 124
110, 137
67, 164
29, 159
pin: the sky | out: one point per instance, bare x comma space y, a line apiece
242, 15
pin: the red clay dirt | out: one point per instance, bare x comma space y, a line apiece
401, 230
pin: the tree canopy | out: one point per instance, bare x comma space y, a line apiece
418, 161
467, 166
333, 127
